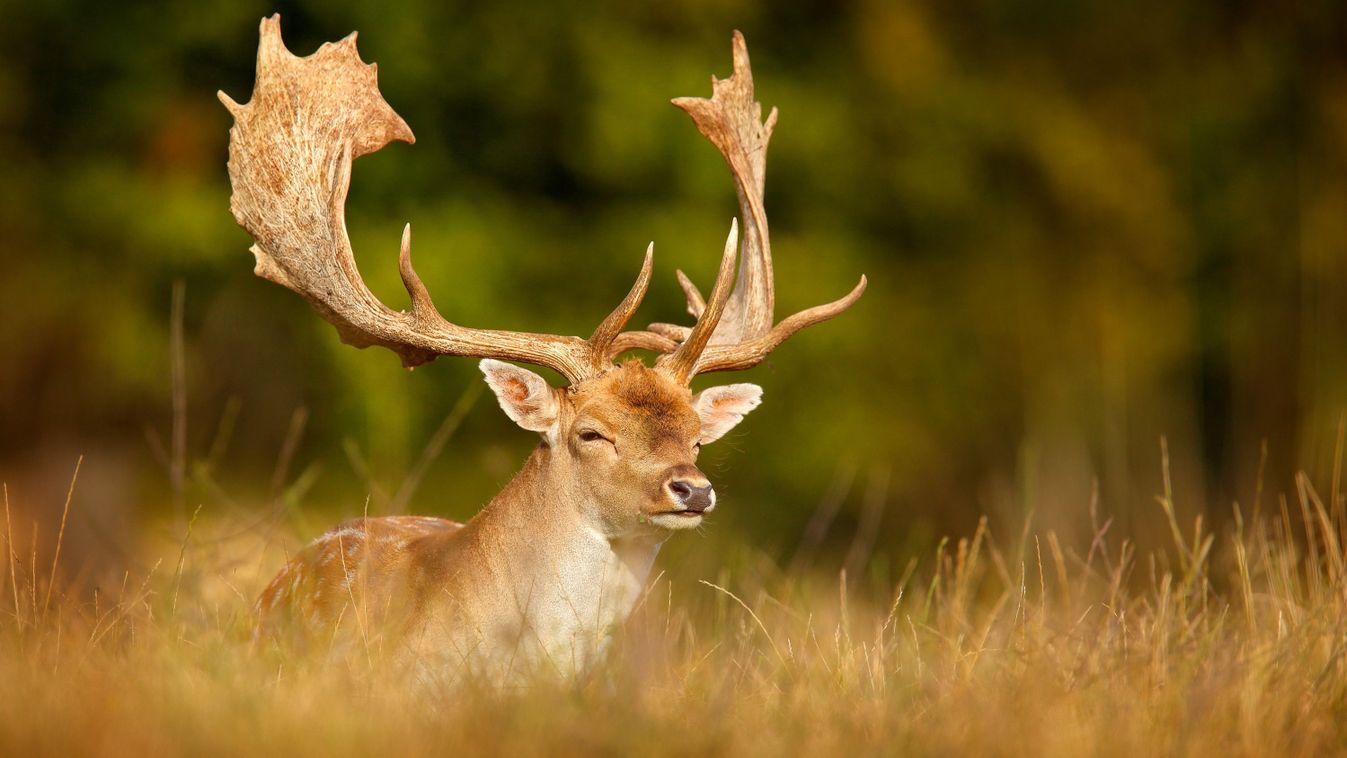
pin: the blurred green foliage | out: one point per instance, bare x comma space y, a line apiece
1086, 225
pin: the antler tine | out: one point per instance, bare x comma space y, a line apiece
696, 303
750, 353
682, 363
602, 339
747, 354
290, 154
641, 341
732, 120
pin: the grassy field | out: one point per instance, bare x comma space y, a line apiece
1224, 643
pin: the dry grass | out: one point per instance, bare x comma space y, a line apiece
1226, 643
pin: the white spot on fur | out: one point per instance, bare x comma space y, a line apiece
346, 535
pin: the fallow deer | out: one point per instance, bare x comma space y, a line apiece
536, 581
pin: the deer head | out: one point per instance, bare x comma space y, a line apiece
622, 440
626, 441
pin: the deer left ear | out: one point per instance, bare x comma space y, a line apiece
722, 408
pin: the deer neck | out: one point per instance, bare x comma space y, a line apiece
551, 557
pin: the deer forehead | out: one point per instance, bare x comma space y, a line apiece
636, 400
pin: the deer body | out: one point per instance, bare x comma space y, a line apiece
537, 580
497, 598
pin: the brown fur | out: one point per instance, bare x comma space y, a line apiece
347, 567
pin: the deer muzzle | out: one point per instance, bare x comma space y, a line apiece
689, 488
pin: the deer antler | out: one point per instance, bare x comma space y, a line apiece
744, 335
290, 153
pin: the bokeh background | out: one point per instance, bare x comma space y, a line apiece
1087, 226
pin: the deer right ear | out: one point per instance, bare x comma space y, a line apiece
524, 396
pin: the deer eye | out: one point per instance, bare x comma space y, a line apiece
589, 435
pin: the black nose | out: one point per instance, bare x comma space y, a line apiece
695, 498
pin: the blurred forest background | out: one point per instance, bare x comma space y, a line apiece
1087, 225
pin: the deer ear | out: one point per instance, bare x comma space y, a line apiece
524, 396
722, 408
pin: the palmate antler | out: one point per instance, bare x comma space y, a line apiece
290, 154
744, 334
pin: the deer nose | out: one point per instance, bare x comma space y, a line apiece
697, 497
